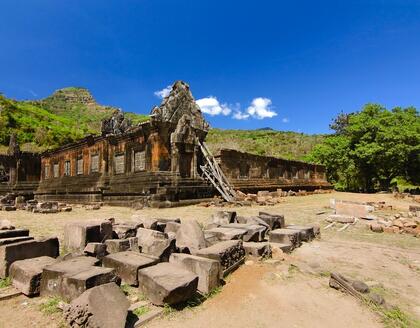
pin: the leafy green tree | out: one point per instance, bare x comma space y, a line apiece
372, 147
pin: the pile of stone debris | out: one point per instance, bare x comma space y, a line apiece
403, 222
262, 198
169, 260
13, 202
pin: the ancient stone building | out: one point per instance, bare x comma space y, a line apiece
19, 171
156, 161
251, 173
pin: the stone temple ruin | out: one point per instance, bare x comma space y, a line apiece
158, 163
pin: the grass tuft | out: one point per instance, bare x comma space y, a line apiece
50, 306
142, 310
6, 282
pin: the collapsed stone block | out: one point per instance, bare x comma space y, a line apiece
341, 218
97, 250
26, 250
285, 236
306, 233
127, 264
6, 225
102, 306
68, 279
155, 243
126, 230
353, 209
167, 283
257, 249
6, 241
190, 237
221, 217
275, 221
14, 233
208, 271
252, 220
228, 253
254, 232
121, 245
26, 274
285, 248
172, 227
78, 234
227, 233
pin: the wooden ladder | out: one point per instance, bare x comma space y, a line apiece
212, 172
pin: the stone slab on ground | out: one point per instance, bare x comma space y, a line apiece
154, 313
53, 275
227, 233
167, 283
254, 232
14, 233
74, 285
155, 243
341, 218
26, 274
102, 306
97, 250
353, 209
285, 248
306, 233
208, 271
226, 252
7, 241
275, 221
26, 250
190, 237
121, 245
262, 249
285, 236
78, 234
127, 264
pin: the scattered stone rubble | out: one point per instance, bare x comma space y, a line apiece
262, 198
13, 202
349, 212
169, 260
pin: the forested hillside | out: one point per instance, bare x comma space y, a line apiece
65, 116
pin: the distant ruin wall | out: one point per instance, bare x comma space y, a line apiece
249, 173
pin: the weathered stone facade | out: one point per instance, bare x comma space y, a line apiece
19, 171
251, 173
155, 162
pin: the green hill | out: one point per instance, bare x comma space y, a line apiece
65, 116
285, 144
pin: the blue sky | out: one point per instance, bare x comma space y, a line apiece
287, 65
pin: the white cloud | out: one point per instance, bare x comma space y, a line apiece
238, 115
164, 92
212, 106
285, 120
261, 108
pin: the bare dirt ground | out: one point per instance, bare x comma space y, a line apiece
289, 293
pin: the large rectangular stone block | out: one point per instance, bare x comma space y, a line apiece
224, 233
14, 233
167, 283
306, 233
121, 245
275, 221
78, 234
209, 271
26, 274
285, 236
127, 264
7, 241
228, 253
254, 232
257, 249
68, 279
26, 250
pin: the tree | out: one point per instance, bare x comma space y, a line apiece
371, 147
